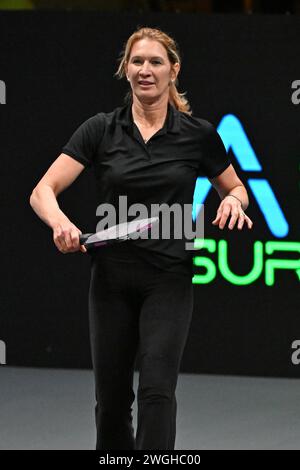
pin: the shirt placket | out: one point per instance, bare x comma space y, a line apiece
146, 146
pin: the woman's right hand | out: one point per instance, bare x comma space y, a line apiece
66, 237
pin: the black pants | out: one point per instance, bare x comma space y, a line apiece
135, 305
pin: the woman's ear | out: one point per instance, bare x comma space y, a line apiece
126, 69
175, 71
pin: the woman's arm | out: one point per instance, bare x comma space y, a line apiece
44, 203
234, 199
59, 176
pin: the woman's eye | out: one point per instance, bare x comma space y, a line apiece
154, 61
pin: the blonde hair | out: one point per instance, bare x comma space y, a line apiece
175, 98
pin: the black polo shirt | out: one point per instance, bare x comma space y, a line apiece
164, 170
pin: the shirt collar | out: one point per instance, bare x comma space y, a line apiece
124, 117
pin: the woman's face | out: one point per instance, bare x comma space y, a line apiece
149, 70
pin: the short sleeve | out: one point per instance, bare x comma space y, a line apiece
215, 158
84, 142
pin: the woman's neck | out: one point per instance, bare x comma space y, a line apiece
149, 115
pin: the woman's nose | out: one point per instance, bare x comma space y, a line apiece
145, 68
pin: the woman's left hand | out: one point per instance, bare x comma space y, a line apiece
231, 206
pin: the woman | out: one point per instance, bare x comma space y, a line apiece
141, 295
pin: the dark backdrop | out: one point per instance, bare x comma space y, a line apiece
58, 69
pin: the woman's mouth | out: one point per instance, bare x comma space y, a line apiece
145, 84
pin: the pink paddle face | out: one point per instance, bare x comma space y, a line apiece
121, 231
